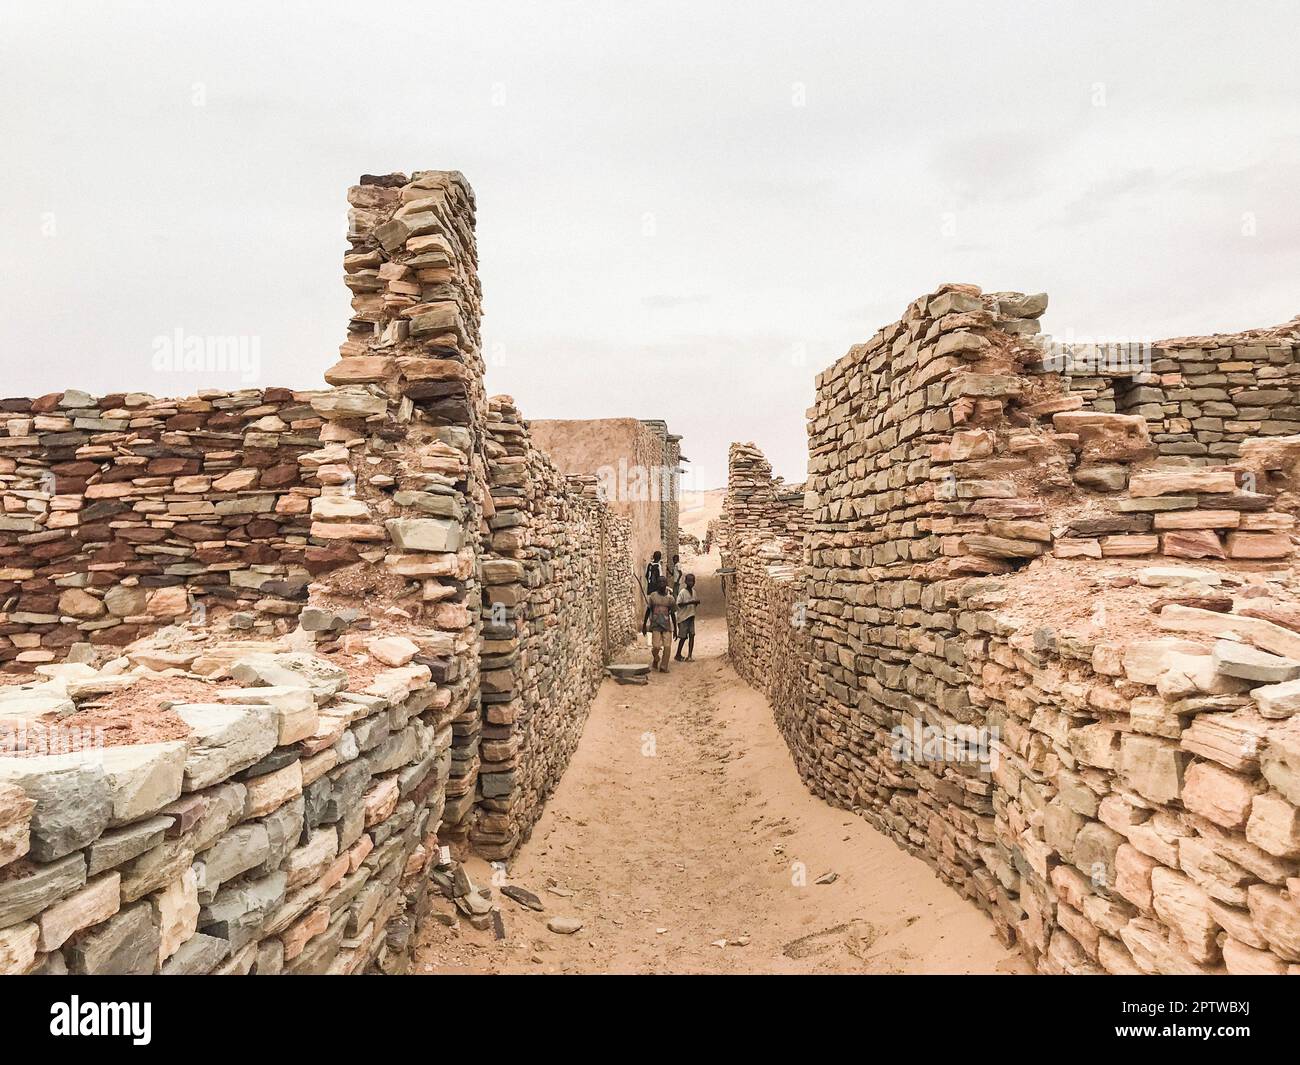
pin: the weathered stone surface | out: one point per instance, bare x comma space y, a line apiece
124, 945
15, 823
198, 955
294, 708
1274, 825
73, 799
1277, 917
1152, 767
1278, 700
26, 892
143, 778
122, 844
18, 948
176, 913
238, 912
95, 902
291, 670
156, 868
1242, 660
225, 739
424, 534
1223, 797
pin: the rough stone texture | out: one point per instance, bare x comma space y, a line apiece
557, 603
290, 586
760, 540
72, 796
985, 677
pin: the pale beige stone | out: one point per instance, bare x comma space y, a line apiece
97, 901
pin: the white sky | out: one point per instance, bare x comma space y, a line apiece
686, 210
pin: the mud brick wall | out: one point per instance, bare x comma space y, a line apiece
989, 564
557, 600
636, 464
283, 817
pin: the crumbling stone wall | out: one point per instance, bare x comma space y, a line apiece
285, 821
987, 683
127, 512
762, 566
1201, 396
255, 777
553, 610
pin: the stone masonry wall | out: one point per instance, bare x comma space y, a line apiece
284, 819
1094, 744
1201, 396
269, 614
763, 524
553, 612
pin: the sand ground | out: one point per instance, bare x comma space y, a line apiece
684, 841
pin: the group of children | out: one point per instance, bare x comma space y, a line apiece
670, 612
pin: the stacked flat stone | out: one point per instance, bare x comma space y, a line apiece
946, 462
1147, 789
557, 576
765, 590
292, 830
296, 826
763, 524
1206, 395
125, 512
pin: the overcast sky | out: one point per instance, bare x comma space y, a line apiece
685, 210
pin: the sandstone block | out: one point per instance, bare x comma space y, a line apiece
225, 739
90, 905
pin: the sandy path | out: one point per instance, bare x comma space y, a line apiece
681, 823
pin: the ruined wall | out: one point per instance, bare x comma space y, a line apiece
1200, 396
127, 512
271, 608
986, 682
282, 817
761, 551
558, 601
635, 463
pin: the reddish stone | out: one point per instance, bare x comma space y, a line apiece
166, 467
280, 476
45, 404
76, 469
261, 529
1192, 543
323, 559
195, 531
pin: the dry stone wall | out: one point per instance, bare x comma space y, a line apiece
284, 819
1200, 396
761, 550
553, 611
1051, 660
247, 627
